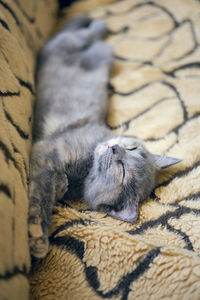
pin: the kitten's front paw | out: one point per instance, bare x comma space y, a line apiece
39, 246
38, 236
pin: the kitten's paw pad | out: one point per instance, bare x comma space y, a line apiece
39, 246
35, 230
38, 233
34, 223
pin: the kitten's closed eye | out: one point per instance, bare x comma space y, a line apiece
132, 149
123, 168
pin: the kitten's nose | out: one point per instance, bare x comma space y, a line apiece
114, 148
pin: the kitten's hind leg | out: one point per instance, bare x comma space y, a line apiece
100, 53
72, 42
47, 183
97, 28
87, 36
78, 23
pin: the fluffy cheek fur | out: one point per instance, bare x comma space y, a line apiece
103, 187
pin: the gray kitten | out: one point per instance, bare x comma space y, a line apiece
74, 154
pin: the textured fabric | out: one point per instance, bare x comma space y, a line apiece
155, 95
24, 25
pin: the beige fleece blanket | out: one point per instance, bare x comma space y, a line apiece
155, 95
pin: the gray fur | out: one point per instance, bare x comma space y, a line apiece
74, 154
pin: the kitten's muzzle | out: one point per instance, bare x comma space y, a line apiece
105, 160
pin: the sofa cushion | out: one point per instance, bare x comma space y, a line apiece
24, 26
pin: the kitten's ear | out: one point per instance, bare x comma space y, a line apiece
163, 161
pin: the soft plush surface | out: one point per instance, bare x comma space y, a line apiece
155, 95
24, 25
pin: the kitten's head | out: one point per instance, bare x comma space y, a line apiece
123, 174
